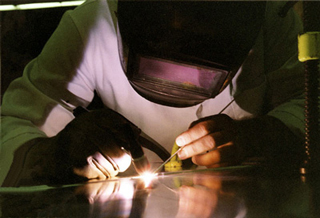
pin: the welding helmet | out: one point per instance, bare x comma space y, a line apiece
181, 53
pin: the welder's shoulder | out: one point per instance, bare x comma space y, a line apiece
93, 15
91, 9
275, 7
279, 27
279, 12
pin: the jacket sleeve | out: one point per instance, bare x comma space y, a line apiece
40, 103
285, 74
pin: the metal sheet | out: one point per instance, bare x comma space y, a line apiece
222, 192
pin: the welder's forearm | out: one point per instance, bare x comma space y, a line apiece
268, 137
32, 164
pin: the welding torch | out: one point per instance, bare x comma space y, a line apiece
139, 160
133, 148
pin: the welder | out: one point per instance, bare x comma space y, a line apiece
220, 79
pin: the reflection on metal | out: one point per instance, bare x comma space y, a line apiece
223, 192
42, 5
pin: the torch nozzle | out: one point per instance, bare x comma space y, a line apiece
141, 164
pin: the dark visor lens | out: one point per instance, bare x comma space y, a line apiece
157, 78
196, 78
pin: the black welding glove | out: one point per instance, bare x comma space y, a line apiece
218, 141
89, 147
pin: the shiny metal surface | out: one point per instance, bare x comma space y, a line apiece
223, 192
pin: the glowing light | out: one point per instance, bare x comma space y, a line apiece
7, 7
147, 178
40, 5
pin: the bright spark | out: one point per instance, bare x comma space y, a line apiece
147, 178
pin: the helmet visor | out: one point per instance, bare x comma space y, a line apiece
181, 53
174, 83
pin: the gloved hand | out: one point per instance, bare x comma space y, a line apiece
89, 147
210, 142
221, 141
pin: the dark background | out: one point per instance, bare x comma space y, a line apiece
23, 35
